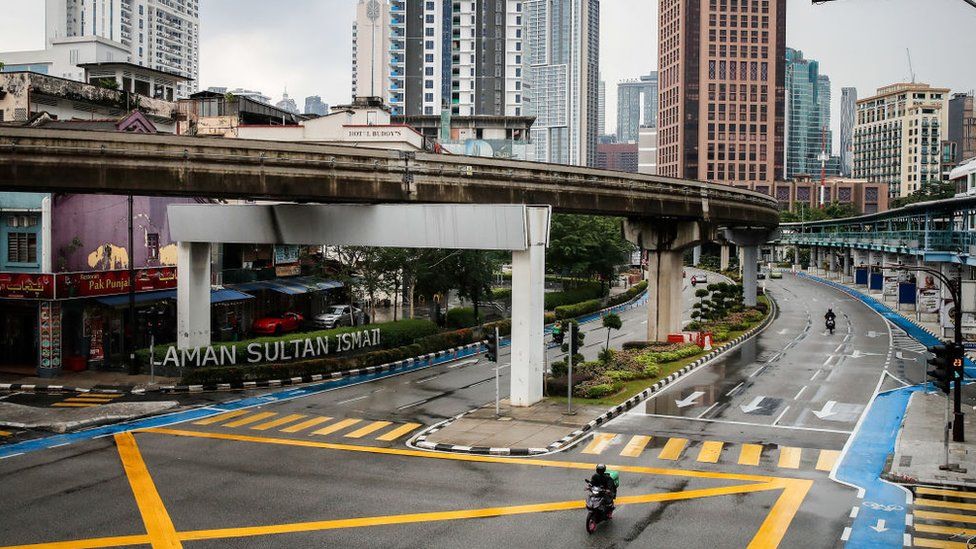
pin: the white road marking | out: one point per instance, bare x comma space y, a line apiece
800, 392
814, 376
462, 363
709, 409
754, 405
729, 422
780, 416
734, 389
839, 347
854, 511
829, 358
348, 400
827, 410
847, 534
757, 371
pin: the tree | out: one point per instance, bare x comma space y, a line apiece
933, 190
587, 246
834, 210
611, 322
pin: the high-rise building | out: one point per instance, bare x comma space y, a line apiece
241, 92
287, 103
721, 90
620, 157
848, 108
647, 150
636, 106
808, 133
562, 66
371, 49
601, 116
898, 136
314, 105
962, 126
461, 56
159, 34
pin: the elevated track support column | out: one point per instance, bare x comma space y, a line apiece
528, 309
665, 242
749, 240
193, 295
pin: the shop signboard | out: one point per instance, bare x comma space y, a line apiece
288, 270
26, 286
929, 300
285, 254
890, 286
947, 313
49, 338
96, 338
101, 283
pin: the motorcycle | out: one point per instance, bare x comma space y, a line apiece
831, 324
599, 506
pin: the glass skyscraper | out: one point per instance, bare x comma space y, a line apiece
808, 131
636, 106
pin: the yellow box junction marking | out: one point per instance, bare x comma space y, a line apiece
672, 450
220, 417
948, 517
924, 502
925, 542
5, 433
941, 492
276, 422
599, 443
159, 527
73, 405
305, 424
789, 457
935, 529
247, 420
769, 535
710, 451
363, 431
636, 446
394, 434
750, 454
827, 459
337, 426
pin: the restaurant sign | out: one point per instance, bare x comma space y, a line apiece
26, 286
83, 284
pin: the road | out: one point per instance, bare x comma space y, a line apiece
751, 436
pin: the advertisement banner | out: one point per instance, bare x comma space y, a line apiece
285, 254
890, 286
96, 334
906, 293
103, 283
947, 313
49, 336
26, 286
929, 300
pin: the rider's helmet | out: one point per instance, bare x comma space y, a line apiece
601, 468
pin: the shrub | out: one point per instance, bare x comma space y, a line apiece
694, 326
578, 309
557, 385
651, 357
651, 370
631, 293
594, 389
738, 327
635, 345
721, 336
622, 375
584, 292
606, 356
501, 294
461, 317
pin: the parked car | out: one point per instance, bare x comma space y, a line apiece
760, 276
278, 324
338, 315
698, 279
776, 273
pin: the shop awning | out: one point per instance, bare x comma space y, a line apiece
216, 296
220, 296
291, 286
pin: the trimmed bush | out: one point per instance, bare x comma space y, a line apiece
584, 292
578, 309
628, 345
461, 317
631, 293
501, 294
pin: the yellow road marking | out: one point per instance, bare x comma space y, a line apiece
599, 443
276, 422
941, 492
363, 431
827, 459
337, 426
73, 405
220, 417
116, 541
394, 434
945, 504
159, 527
89, 398
749, 454
305, 424
789, 457
710, 451
247, 420
948, 517
781, 515
935, 529
925, 542
635, 446
5, 433
673, 448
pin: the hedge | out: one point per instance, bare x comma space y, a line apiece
461, 317
584, 292
578, 309
631, 293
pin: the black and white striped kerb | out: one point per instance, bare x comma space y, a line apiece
420, 440
33, 388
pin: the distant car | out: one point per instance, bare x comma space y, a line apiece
760, 276
278, 324
776, 273
338, 315
698, 279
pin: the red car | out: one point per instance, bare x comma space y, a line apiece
277, 324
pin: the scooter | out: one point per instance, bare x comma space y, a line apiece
599, 506
831, 324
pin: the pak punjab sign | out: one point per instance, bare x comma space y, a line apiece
271, 351
100, 283
26, 286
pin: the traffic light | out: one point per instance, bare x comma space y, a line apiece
492, 347
957, 354
575, 339
941, 372
557, 333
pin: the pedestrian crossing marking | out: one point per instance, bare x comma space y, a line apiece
363, 431
337, 426
276, 422
749, 454
938, 543
305, 424
936, 529
673, 448
250, 419
5, 433
635, 446
924, 502
220, 417
947, 517
599, 443
826, 460
789, 457
73, 405
710, 451
942, 492
398, 432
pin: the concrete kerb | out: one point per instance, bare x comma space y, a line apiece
34, 388
420, 441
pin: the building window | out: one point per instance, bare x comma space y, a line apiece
152, 246
22, 247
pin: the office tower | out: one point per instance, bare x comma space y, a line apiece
848, 106
562, 49
808, 131
647, 150
371, 49
962, 126
636, 106
314, 105
722, 95
601, 120
898, 136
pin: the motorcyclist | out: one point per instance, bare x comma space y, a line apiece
601, 479
830, 316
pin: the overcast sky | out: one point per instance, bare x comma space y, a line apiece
306, 44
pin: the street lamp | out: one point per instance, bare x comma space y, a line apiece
955, 292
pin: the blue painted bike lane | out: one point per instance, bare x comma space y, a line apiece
873, 441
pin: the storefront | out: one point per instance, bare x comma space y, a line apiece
306, 295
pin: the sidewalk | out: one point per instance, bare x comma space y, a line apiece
88, 379
919, 448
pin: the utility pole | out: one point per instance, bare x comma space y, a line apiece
130, 336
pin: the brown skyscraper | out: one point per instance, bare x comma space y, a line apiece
722, 99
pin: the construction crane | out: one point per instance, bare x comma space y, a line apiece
911, 70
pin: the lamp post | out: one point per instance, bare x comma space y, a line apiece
955, 292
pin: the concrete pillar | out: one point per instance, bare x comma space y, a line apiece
193, 295
696, 255
664, 282
749, 259
723, 257
796, 258
528, 289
